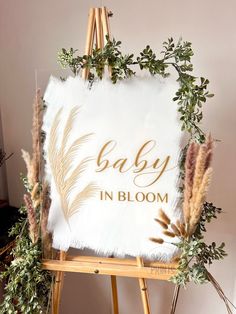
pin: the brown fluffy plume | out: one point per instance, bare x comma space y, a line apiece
188, 179
197, 179
33, 164
46, 236
38, 201
36, 136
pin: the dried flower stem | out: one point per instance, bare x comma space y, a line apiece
161, 223
197, 179
32, 220
46, 236
188, 180
36, 137
157, 240
163, 216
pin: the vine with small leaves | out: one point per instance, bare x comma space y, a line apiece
28, 286
191, 93
195, 254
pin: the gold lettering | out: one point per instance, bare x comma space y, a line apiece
138, 199
138, 179
120, 163
104, 163
129, 199
152, 199
143, 163
121, 196
146, 173
164, 199
104, 195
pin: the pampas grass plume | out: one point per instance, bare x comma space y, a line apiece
163, 224
163, 216
33, 228
189, 177
169, 233
36, 136
157, 240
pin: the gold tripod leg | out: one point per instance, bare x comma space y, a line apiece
58, 284
143, 289
89, 39
114, 295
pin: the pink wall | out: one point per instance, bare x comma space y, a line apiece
31, 33
3, 178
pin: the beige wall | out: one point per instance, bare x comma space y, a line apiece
3, 179
31, 33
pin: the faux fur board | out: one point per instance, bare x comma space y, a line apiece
111, 154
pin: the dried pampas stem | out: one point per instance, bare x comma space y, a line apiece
33, 164
163, 216
36, 136
188, 179
163, 224
220, 292
29, 167
175, 230
32, 220
169, 233
199, 171
157, 240
196, 182
35, 191
46, 236
200, 198
181, 227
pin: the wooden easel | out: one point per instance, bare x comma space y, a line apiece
98, 27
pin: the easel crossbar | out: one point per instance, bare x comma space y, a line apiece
119, 261
112, 266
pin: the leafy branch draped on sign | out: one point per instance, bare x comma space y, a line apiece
192, 92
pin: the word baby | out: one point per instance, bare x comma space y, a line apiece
146, 172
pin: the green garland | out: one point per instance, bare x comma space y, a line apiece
196, 254
191, 94
28, 287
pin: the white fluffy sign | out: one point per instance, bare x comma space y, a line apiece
112, 162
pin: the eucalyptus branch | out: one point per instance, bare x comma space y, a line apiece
196, 254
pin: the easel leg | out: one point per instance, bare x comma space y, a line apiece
57, 289
99, 30
175, 299
143, 289
89, 39
114, 295
105, 23
105, 28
